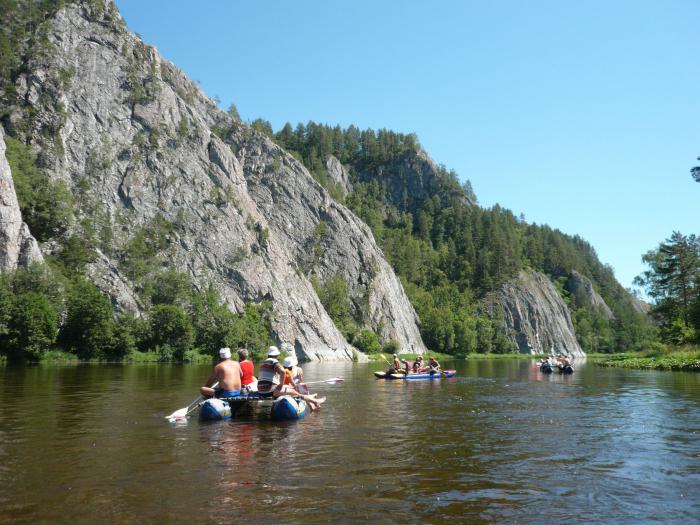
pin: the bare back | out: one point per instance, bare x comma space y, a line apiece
228, 373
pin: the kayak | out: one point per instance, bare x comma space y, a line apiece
252, 405
422, 375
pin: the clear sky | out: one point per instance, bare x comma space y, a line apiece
581, 115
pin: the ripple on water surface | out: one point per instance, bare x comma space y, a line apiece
499, 443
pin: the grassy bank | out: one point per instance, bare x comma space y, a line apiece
673, 358
58, 357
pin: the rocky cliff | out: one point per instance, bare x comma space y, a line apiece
17, 246
411, 179
583, 294
145, 147
536, 318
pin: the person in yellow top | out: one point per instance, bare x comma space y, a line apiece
293, 375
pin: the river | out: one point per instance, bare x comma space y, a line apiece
498, 443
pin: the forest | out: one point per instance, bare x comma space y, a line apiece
451, 253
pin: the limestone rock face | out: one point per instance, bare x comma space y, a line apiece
17, 246
583, 293
536, 318
234, 210
338, 174
640, 306
326, 239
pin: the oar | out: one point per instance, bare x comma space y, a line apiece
184, 412
332, 380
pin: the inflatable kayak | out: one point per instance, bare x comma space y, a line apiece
422, 375
285, 407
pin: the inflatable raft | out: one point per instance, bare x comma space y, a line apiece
422, 375
546, 368
285, 407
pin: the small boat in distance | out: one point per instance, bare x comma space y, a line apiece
420, 375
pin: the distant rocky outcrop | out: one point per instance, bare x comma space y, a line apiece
583, 294
536, 318
640, 306
337, 174
17, 246
126, 128
411, 179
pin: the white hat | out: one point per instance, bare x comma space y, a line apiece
225, 353
273, 351
290, 361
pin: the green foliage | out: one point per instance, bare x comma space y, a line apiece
88, 329
170, 287
37, 303
391, 347
31, 327
673, 281
367, 342
451, 253
171, 331
45, 204
334, 297
233, 112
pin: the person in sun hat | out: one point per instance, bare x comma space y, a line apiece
293, 374
271, 380
228, 374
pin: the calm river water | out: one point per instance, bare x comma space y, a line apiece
500, 443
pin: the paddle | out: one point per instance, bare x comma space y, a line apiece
184, 412
332, 380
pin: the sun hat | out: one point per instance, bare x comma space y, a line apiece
225, 353
273, 351
289, 361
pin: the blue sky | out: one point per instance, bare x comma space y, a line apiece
581, 115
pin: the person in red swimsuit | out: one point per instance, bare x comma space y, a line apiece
248, 380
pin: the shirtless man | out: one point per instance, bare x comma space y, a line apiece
271, 381
228, 373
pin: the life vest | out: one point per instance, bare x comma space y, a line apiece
268, 378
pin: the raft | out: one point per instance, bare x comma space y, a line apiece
422, 375
252, 405
546, 368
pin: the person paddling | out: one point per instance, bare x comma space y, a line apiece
248, 381
396, 364
271, 381
433, 366
228, 373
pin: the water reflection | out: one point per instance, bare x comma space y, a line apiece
499, 442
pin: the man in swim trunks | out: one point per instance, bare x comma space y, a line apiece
228, 374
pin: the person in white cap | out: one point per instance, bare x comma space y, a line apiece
293, 374
271, 381
228, 374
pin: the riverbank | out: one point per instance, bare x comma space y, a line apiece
675, 358
58, 357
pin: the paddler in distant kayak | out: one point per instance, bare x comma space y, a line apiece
271, 381
433, 365
418, 365
228, 374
